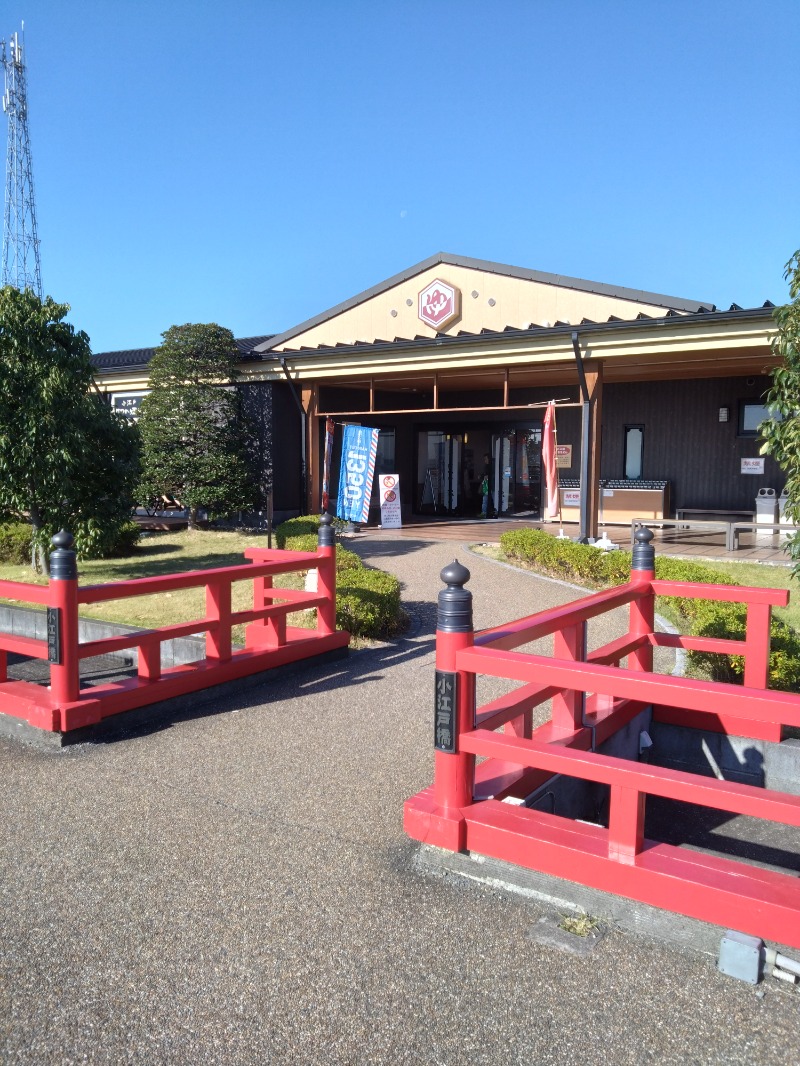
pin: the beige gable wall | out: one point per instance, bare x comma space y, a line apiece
517, 303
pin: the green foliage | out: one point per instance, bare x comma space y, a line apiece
194, 438
66, 459
15, 542
368, 602
781, 432
701, 618
128, 536
566, 559
304, 525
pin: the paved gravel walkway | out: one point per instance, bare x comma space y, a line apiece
236, 888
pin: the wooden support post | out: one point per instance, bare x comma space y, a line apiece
756, 655
594, 382
150, 661
454, 710
626, 824
326, 577
64, 674
309, 399
218, 609
642, 610
569, 643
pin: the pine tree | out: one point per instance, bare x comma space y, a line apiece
193, 440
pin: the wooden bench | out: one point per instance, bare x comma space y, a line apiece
757, 527
729, 514
684, 523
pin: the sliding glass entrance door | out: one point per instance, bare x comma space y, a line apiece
451, 466
440, 472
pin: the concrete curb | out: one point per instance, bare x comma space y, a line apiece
557, 894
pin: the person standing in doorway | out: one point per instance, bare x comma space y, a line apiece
486, 488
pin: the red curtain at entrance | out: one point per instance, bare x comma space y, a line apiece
549, 460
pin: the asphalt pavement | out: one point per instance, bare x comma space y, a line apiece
234, 886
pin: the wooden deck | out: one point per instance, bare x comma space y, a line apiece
686, 544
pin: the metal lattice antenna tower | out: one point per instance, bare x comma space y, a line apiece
21, 265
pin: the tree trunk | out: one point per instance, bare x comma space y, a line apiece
40, 559
193, 518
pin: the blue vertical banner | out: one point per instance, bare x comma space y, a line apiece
359, 448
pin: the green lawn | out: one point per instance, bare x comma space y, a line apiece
770, 577
164, 553
774, 577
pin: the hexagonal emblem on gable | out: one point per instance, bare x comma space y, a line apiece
439, 304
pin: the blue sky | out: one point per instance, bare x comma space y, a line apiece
255, 163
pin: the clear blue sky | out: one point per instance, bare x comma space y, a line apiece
257, 162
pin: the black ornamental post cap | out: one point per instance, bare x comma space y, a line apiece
644, 554
63, 564
326, 537
455, 602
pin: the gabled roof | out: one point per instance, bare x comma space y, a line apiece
138, 357
442, 258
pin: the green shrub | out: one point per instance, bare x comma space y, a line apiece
699, 618
307, 542
293, 528
127, 538
15, 542
368, 603
565, 558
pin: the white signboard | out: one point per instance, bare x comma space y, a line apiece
389, 487
752, 466
571, 497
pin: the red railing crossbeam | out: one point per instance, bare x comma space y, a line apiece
739, 701
689, 590
617, 649
534, 626
719, 645
643, 778
36, 649
145, 586
19, 590
277, 610
108, 645
509, 706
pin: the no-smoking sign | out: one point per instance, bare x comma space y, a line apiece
390, 501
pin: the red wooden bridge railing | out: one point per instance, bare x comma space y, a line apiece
592, 697
269, 640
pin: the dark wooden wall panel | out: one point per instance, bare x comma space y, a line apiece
684, 441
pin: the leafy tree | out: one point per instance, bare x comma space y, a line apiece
66, 459
781, 432
193, 437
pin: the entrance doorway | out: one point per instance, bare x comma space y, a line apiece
451, 467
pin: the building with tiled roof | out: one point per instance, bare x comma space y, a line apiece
455, 358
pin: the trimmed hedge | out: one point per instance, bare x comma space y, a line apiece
368, 603
15, 542
367, 600
565, 558
701, 618
293, 528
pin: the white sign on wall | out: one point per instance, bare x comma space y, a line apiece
389, 487
571, 497
752, 466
